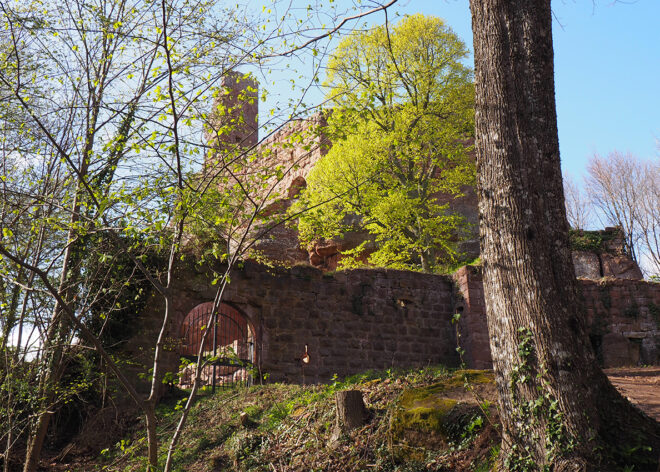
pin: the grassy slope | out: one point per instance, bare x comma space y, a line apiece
419, 420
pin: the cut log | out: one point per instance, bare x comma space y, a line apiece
351, 412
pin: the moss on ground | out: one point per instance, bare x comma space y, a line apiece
425, 416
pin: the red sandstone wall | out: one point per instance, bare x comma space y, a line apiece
623, 317
473, 327
351, 321
295, 148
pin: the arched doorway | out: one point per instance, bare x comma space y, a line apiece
228, 347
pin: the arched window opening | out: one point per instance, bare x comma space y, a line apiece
297, 185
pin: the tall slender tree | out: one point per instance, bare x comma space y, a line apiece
128, 89
558, 410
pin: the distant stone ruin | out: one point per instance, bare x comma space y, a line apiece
298, 145
295, 148
307, 325
598, 254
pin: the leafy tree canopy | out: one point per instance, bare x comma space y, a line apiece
403, 113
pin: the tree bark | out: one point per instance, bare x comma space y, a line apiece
351, 412
557, 407
152, 441
54, 347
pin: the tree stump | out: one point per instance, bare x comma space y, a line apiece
351, 412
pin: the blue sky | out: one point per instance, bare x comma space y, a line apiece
607, 73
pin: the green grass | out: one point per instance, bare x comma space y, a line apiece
292, 426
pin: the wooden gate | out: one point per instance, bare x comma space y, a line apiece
228, 347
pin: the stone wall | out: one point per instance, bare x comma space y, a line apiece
623, 317
350, 322
294, 149
358, 320
602, 253
473, 326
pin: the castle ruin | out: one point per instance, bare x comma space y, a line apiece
304, 324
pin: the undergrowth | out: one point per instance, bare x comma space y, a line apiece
292, 428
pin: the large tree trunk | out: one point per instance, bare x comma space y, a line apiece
557, 406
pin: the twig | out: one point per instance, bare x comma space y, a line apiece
330, 32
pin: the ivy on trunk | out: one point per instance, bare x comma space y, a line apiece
558, 410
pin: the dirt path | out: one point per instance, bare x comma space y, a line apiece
641, 385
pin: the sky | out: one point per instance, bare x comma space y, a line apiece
607, 73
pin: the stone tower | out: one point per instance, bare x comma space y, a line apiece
234, 119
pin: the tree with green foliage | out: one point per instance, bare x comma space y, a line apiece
124, 93
403, 113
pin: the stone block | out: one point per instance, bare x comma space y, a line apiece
619, 351
587, 264
650, 350
620, 267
